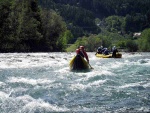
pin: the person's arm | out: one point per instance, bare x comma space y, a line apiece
86, 56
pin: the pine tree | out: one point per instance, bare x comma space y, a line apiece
29, 26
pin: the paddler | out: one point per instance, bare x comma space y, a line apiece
81, 51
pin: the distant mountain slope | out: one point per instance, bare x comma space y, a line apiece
80, 15
102, 8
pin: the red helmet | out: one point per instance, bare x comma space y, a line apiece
82, 47
77, 51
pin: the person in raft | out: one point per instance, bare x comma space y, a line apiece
99, 50
81, 51
106, 51
114, 50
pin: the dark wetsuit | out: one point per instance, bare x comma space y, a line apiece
99, 50
114, 53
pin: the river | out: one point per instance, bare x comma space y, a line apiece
43, 83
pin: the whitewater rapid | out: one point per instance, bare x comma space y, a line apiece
43, 83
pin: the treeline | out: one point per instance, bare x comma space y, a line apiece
48, 25
24, 27
110, 39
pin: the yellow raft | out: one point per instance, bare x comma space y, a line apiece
118, 55
78, 63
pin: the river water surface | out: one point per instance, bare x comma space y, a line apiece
43, 83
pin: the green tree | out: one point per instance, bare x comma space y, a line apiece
114, 23
53, 29
131, 45
144, 41
5, 28
29, 29
68, 37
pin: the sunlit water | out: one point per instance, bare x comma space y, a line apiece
43, 83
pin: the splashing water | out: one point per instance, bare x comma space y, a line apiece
43, 83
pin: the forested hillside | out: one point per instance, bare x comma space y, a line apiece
49, 25
104, 22
81, 15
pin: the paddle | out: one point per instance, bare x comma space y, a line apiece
90, 66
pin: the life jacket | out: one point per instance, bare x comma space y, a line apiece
106, 52
81, 53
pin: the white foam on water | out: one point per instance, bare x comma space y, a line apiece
130, 55
25, 98
116, 65
63, 70
96, 83
28, 81
147, 85
41, 106
89, 85
77, 86
26, 60
131, 85
3, 95
2, 83
27, 104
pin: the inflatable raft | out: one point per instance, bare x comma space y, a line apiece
78, 63
118, 55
